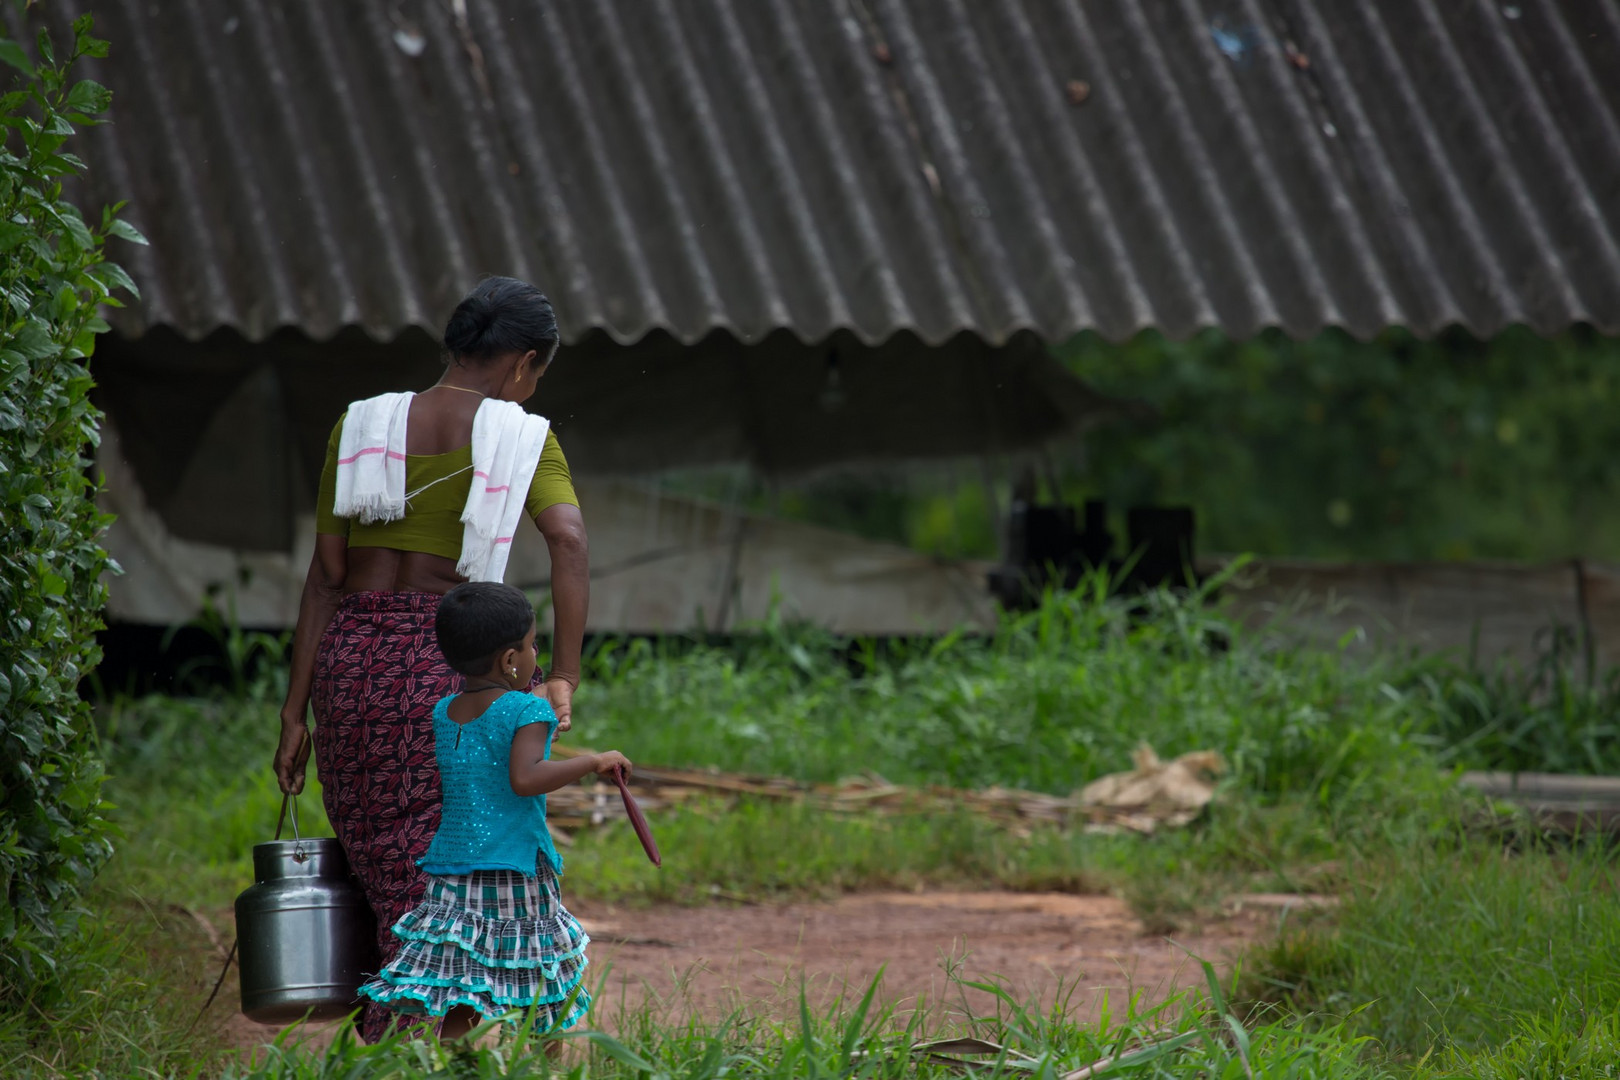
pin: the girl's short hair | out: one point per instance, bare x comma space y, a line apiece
479, 620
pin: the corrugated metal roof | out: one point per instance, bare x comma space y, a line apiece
869, 164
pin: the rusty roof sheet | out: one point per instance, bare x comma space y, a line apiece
875, 165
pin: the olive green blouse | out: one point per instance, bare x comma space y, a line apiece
432, 521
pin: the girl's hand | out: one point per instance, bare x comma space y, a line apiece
560, 692
531, 773
610, 761
292, 756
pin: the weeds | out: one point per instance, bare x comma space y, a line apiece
1445, 946
1557, 717
1058, 696
867, 1040
245, 665
124, 997
1568, 1042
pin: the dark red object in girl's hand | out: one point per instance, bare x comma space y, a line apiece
637, 821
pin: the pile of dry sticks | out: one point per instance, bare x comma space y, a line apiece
1154, 795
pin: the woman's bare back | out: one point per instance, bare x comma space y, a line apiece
440, 421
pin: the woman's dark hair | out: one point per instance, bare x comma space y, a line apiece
479, 620
501, 315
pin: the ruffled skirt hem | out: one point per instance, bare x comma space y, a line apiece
420, 998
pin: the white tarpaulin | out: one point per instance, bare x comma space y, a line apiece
659, 563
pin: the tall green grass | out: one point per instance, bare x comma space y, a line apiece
1321, 750
1562, 715
190, 821
1324, 752
1448, 947
1055, 698
866, 1040
123, 999
1562, 1042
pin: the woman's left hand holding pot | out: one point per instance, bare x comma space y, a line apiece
292, 755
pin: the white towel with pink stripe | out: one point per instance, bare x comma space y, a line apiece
371, 460
506, 446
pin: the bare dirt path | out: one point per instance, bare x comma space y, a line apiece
712, 960
715, 960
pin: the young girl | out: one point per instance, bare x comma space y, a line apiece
491, 935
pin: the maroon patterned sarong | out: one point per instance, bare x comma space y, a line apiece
378, 674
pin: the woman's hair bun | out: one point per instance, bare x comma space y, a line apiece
501, 315
472, 320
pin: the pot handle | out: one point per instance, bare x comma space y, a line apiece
290, 800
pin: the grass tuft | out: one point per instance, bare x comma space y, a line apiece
1445, 948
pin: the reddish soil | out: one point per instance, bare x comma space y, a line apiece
716, 959
1038, 945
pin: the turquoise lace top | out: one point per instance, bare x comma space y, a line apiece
485, 825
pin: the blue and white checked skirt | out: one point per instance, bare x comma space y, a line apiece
496, 940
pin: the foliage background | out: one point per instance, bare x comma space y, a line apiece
1395, 448
1389, 449
53, 277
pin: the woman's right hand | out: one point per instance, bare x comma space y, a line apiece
292, 756
609, 761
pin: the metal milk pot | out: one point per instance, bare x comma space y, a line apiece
307, 936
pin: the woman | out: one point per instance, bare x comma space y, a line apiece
363, 651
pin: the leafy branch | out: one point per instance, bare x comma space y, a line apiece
54, 280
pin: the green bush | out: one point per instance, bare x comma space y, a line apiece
52, 281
